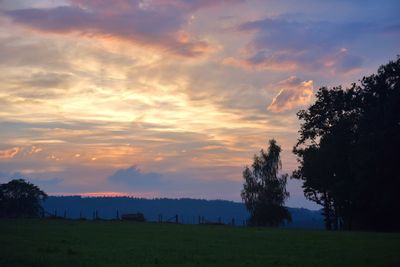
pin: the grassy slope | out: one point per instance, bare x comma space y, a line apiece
74, 243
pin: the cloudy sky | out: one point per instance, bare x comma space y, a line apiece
172, 98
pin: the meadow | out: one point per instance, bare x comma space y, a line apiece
114, 243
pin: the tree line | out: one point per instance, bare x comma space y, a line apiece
348, 153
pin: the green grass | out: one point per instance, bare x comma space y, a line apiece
102, 243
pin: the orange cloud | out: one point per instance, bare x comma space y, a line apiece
9, 153
293, 93
35, 150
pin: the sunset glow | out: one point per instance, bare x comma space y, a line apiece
171, 98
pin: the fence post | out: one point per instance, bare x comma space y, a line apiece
176, 219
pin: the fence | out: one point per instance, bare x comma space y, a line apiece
175, 219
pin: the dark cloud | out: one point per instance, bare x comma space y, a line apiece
155, 23
135, 178
286, 43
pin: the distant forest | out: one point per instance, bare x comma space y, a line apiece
188, 210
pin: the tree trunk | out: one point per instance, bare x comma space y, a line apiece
327, 212
335, 217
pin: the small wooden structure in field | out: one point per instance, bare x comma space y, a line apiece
136, 217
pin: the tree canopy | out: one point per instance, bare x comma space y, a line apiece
348, 151
19, 198
264, 193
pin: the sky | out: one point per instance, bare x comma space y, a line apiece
172, 98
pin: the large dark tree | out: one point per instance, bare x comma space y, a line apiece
377, 150
324, 148
19, 198
264, 193
347, 150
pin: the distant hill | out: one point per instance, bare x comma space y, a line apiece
188, 210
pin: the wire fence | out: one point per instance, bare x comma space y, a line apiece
139, 217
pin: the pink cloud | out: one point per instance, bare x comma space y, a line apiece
9, 153
149, 23
293, 93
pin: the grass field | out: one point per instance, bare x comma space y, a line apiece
102, 243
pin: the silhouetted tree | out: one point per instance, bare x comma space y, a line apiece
325, 143
348, 152
376, 157
264, 193
19, 198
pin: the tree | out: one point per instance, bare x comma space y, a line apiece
264, 193
348, 152
376, 157
325, 143
19, 198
